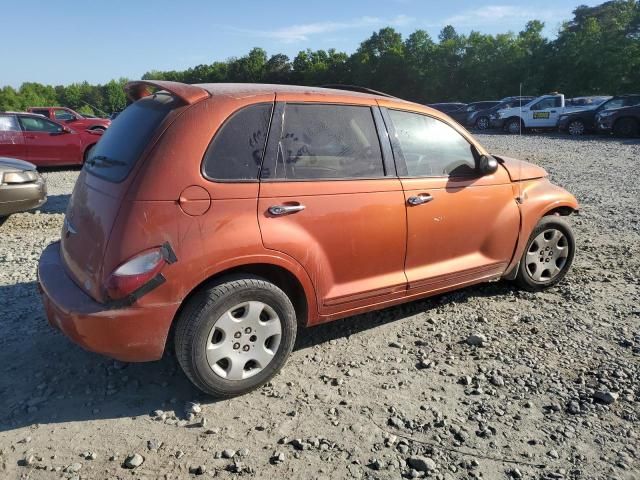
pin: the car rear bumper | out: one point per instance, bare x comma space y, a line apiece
131, 334
21, 197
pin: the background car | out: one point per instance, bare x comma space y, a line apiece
448, 107
481, 119
72, 118
463, 114
623, 122
42, 141
583, 121
21, 187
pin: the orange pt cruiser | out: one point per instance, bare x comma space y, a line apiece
225, 216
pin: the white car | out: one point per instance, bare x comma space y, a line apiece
541, 112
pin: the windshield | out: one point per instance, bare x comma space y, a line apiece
124, 141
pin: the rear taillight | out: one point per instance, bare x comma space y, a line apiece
135, 273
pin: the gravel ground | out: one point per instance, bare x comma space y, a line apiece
550, 392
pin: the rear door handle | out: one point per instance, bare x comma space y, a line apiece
279, 210
419, 199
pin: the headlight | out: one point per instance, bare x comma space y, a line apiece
20, 177
606, 114
563, 117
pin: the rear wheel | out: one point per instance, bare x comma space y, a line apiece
514, 126
234, 336
482, 123
548, 255
625, 127
576, 128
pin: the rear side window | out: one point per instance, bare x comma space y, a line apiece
237, 148
329, 142
39, 124
42, 111
124, 141
8, 123
432, 148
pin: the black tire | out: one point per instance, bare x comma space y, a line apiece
514, 126
625, 127
198, 317
483, 123
576, 128
524, 279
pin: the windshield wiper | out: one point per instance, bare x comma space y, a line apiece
105, 161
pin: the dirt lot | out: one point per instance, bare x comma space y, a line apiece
552, 392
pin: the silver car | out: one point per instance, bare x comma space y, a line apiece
21, 187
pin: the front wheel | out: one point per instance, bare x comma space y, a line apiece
482, 123
548, 254
235, 336
576, 128
514, 126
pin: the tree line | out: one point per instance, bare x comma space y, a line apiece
596, 52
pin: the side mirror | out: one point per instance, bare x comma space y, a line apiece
487, 165
64, 129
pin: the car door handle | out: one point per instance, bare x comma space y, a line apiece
419, 199
279, 210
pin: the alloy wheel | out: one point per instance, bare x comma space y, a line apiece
547, 255
482, 123
244, 340
576, 128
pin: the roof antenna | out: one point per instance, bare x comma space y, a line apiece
520, 198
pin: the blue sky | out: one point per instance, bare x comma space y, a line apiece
60, 42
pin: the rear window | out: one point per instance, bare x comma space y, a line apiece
124, 141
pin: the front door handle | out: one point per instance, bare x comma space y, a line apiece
419, 199
279, 210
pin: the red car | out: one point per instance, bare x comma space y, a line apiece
71, 118
44, 142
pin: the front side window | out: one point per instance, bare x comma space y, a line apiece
430, 147
64, 115
237, 148
329, 142
37, 124
8, 123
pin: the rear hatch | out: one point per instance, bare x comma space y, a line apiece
102, 186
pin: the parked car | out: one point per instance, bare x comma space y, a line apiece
463, 114
448, 108
42, 141
583, 121
231, 214
623, 122
540, 113
21, 187
72, 118
481, 119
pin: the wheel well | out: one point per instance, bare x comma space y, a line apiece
562, 211
515, 117
86, 151
279, 276
633, 119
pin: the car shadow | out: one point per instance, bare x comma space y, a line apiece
56, 204
44, 378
